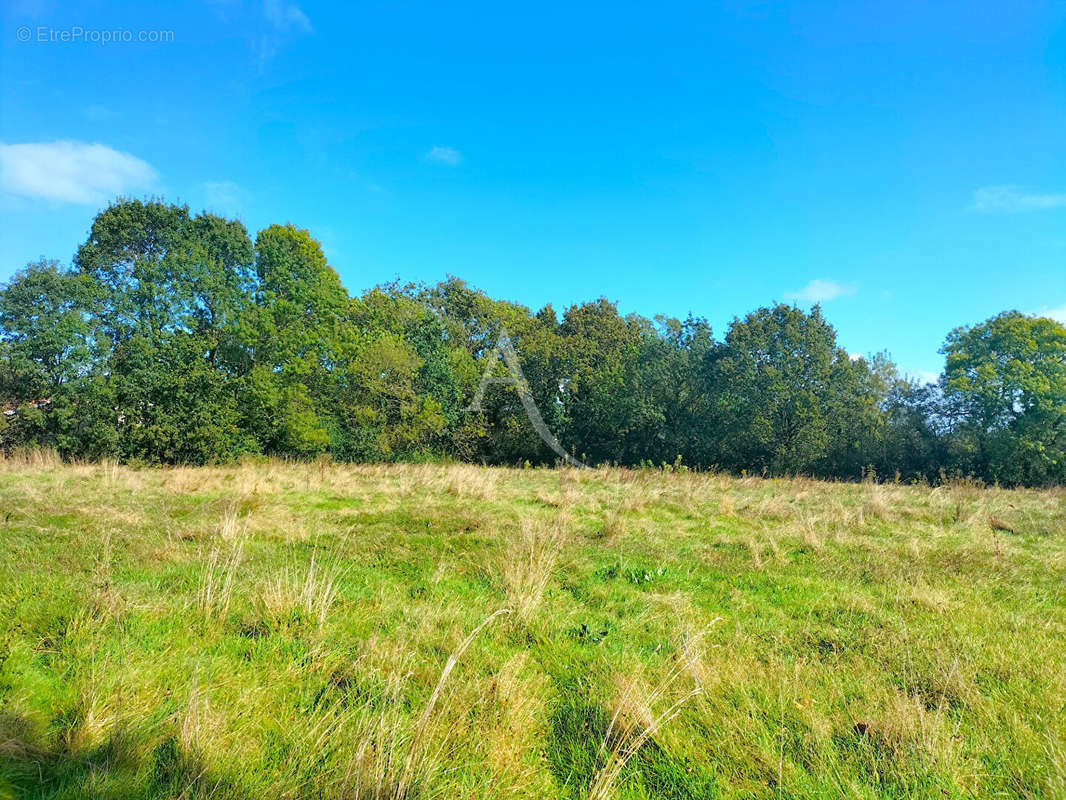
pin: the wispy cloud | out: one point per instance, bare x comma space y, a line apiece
286, 16
283, 21
71, 172
225, 196
445, 155
922, 376
1012, 199
1057, 314
820, 291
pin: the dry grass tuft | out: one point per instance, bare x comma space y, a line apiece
810, 536
518, 702
775, 507
908, 728
756, 551
468, 480
111, 471
35, 458
613, 528
232, 527
312, 592
217, 581
393, 757
529, 558
639, 714
727, 505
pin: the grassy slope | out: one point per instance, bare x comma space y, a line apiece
278, 631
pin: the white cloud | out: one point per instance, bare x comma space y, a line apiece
820, 291
286, 16
223, 195
284, 19
922, 376
1057, 314
445, 155
71, 172
1008, 199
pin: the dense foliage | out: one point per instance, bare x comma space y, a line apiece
176, 339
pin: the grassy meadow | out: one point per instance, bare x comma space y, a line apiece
336, 631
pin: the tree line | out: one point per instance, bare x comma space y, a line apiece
175, 339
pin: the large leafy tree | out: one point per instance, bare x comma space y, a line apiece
857, 400
611, 400
398, 393
1007, 379
134, 253
161, 270
780, 381
678, 377
354, 377
296, 334
915, 444
47, 353
169, 289
46, 331
473, 324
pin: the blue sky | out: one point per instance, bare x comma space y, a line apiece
904, 163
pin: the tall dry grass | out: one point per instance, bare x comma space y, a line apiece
217, 581
34, 458
529, 559
312, 591
640, 713
393, 757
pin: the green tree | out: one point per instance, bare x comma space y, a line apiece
472, 324
1007, 380
916, 441
134, 253
169, 291
47, 352
610, 387
678, 376
296, 334
301, 305
857, 423
46, 331
399, 393
780, 381
281, 416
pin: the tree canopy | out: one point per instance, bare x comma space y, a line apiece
174, 338
1007, 381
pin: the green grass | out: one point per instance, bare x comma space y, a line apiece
285, 631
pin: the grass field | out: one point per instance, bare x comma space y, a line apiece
291, 631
